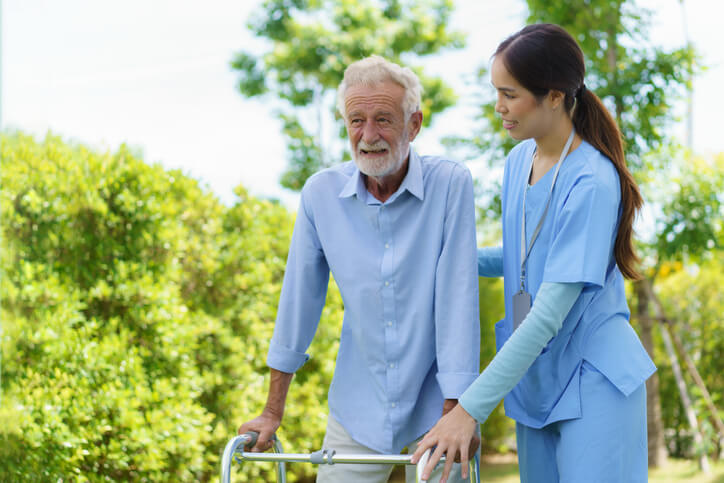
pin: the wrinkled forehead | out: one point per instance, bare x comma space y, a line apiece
380, 96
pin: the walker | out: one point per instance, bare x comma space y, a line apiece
235, 451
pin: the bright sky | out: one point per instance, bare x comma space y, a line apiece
155, 74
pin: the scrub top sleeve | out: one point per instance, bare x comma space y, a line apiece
490, 261
585, 229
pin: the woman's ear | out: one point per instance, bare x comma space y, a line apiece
556, 98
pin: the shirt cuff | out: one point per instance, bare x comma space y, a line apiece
453, 384
284, 359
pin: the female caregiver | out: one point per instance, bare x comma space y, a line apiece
570, 367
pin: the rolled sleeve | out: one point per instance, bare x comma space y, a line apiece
284, 359
453, 385
457, 321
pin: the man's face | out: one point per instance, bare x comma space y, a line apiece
379, 134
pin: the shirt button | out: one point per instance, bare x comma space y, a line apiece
389, 323
387, 245
387, 283
393, 405
392, 365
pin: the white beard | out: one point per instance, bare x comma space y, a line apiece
381, 166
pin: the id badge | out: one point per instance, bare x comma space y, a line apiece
521, 307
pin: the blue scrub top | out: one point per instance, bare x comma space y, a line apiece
575, 244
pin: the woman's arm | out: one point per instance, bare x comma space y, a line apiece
552, 303
490, 261
452, 434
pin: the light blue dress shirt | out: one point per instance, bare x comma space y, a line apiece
406, 270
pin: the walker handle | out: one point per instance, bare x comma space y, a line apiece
421, 465
252, 437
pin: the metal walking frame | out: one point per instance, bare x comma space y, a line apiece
234, 450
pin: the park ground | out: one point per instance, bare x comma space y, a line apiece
504, 469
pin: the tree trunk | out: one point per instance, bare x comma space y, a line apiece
657, 445
688, 407
690, 366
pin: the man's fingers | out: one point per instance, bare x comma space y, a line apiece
474, 444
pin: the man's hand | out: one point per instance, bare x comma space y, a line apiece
266, 424
270, 419
448, 404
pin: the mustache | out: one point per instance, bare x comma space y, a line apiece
378, 146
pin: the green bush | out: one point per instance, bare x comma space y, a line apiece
498, 431
696, 316
137, 312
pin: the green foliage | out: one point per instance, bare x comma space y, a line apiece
136, 315
498, 430
311, 42
691, 225
638, 81
697, 319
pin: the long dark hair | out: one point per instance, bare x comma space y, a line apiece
544, 57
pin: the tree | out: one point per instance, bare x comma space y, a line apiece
688, 248
310, 44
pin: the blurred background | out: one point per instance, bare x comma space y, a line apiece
152, 155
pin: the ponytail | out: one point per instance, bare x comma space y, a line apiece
544, 57
595, 124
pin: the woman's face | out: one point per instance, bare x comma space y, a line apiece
523, 115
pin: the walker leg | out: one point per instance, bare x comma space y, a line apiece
238, 444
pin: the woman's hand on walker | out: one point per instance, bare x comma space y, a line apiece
454, 435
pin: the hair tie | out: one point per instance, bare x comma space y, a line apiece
581, 89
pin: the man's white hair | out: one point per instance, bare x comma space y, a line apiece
375, 69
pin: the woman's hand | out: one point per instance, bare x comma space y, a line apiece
454, 435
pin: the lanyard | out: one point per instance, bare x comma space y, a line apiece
523, 252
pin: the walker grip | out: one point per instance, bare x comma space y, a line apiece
252, 436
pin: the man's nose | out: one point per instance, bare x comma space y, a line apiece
370, 135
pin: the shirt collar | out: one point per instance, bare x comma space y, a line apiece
355, 185
412, 181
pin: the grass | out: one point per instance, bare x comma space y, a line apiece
504, 469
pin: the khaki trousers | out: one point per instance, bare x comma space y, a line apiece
339, 440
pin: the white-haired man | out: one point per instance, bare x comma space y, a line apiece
397, 231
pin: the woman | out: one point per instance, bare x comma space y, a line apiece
570, 366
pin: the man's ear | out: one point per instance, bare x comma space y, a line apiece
415, 125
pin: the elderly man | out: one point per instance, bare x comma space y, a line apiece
397, 231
